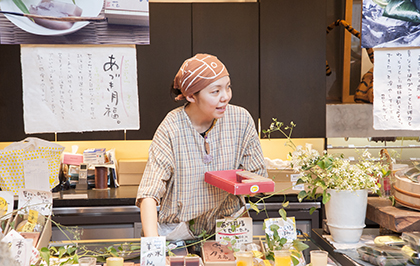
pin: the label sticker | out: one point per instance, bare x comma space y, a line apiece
255, 188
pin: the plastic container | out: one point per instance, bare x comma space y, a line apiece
412, 239
383, 255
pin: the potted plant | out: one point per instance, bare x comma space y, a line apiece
342, 184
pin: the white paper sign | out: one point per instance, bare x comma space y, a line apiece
21, 250
230, 228
153, 251
37, 200
396, 89
79, 88
6, 204
37, 174
286, 229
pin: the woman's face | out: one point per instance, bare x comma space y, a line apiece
213, 99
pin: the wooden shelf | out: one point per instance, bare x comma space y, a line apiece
397, 219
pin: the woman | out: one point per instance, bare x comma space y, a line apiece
206, 134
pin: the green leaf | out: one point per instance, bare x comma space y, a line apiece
254, 207
326, 197
61, 252
283, 214
311, 210
302, 195
203, 233
219, 224
21, 6
285, 204
299, 246
45, 255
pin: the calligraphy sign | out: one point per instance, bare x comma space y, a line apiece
214, 251
35, 200
239, 229
79, 88
153, 251
396, 89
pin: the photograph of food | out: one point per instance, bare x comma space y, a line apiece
71, 21
390, 23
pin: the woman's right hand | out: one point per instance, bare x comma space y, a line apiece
148, 215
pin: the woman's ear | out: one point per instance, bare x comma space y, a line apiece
190, 98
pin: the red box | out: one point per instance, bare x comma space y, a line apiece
227, 181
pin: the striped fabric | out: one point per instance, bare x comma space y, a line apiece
174, 175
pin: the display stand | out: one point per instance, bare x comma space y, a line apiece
398, 219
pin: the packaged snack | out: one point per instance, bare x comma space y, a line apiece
412, 239
383, 255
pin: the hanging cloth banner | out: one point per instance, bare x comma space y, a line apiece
79, 88
396, 89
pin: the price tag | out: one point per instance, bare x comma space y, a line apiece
239, 229
286, 229
33, 216
28, 227
153, 251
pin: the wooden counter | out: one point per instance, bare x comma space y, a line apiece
398, 219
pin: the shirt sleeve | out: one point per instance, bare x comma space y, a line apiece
253, 159
159, 168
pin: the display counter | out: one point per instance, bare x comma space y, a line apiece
112, 213
133, 256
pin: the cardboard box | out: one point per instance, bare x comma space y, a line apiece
45, 235
227, 181
285, 181
130, 171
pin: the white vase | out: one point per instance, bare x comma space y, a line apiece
346, 213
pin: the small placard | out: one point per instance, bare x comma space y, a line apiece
6, 204
22, 250
287, 229
214, 251
37, 200
153, 251
230, 228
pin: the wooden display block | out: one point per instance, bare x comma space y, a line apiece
397, 219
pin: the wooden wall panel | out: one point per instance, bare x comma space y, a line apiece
292, 65
230, 31
158, 63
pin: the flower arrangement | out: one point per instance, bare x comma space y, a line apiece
329, 171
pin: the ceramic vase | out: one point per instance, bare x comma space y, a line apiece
346, 213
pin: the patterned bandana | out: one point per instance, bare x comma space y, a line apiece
197, 73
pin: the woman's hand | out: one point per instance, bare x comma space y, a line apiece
148, 215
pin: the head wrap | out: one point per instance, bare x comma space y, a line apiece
197, 73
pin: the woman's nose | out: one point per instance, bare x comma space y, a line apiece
225, 96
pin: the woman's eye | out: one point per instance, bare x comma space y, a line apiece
215, 92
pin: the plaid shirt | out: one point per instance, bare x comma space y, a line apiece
174, 174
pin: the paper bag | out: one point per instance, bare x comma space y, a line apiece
14, 157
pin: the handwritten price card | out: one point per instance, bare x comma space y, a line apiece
239, 229
214, 251
396, 89
79, 88
35, 202
285, 229
153, 251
